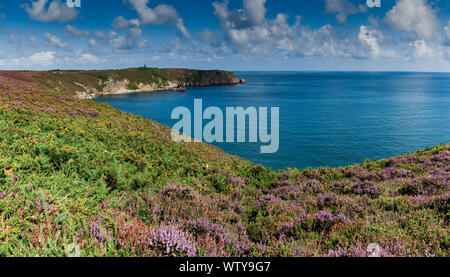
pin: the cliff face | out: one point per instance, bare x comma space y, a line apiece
112, 86
189, 78
89, 84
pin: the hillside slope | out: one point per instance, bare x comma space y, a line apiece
82, 178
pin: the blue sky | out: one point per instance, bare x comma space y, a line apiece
401, 35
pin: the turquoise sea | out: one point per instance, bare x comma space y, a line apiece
326, 118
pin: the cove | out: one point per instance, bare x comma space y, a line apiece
326, 118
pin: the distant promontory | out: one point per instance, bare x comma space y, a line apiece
88, 84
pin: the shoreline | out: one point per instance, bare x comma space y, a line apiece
177, 89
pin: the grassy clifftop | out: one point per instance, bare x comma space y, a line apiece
82, 178
90, 83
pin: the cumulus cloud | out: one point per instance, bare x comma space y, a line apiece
54, 41
256, 11
100, 35
120, 42
248, 31
74, 31
47, 59
121, 23
252, 15
84, 58
92, 42
412, 15
422, 51
56, 11
211, 38
159, 15
41, 59
371, 38
342, 9
319, 42
327, 42
133, 40
88, 58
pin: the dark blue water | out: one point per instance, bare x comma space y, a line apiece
326, 118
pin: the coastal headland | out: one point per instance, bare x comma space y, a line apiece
88, 84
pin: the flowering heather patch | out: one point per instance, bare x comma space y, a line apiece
369, 250
366, 188
173, 242
390, 173
97, 231
324, 220
236, 181
82, 175
49, 110
326, 199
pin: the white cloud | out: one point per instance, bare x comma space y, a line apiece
121, 23
342, 9
422, 51
100, 35
74, 31
252, 15
211, 38
412, 15
277, 37
56, 11
249, 30
54, 41
117, 41
319, 42
370, 38
86, 57
133, 40
326, 42
40, 59
92, 42
256, 10
159, 15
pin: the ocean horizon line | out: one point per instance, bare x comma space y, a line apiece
235, 70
